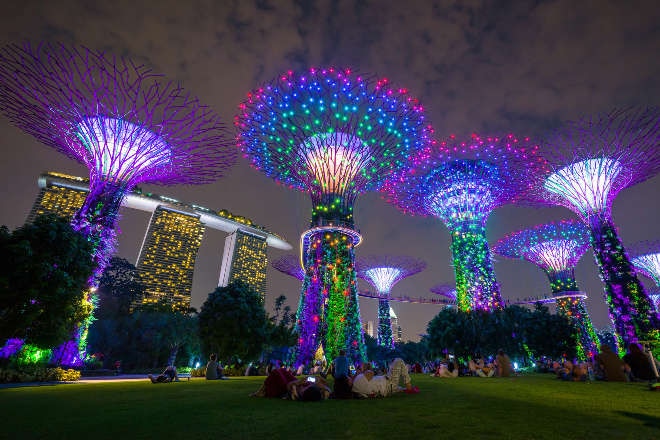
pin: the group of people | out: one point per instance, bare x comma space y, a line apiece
364, 383
214, 371
501, 366
635, 365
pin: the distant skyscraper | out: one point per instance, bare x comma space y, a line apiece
368, 328
167, 258
60, 199
245, 259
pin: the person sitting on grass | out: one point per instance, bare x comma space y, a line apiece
503, 367
169, 375
611, 364
398, 373
213, 369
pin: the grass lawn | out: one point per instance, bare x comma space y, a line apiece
527, 407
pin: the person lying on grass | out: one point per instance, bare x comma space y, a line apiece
169, 375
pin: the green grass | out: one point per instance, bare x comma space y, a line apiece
528, 407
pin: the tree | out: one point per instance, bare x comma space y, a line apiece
44, 271
233, 322
281, 334
119, 287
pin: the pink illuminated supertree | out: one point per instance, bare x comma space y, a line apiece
333, 134
592, 160
125, 123
383, 272
645, 256
461, 183
556, 248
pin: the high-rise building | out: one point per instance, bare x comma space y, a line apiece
61, 198
167, 258
396, 328
245, 259
368, 328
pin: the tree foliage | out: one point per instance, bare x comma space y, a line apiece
233, 323
44, 271
281, 335
517, 330
119, 287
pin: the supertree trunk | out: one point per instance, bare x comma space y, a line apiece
310, 316
586, 341
476, 286
384, 324
97, 219
630, 309
344, 329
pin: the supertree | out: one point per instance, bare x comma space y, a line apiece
125, 123
556, 248
645, 256
333, 134
446, 291
290, 265
461, 183
591, 160
383, 272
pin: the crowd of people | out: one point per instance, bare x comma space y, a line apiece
348, 382
369, 380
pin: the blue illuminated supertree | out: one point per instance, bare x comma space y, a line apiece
645, 256
383, 272
592, 160
461, 184
556, 248
334, 134
125, 123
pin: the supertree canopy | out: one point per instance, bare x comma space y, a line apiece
333, 134
290, 265
461, 183
125, 123
592, 160
556, 248
383, 272
645, 256
447, 291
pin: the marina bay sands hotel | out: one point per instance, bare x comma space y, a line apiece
167, 257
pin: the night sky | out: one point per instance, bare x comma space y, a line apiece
490, 67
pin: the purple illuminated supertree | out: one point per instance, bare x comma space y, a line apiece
645, 256
383, 272
333, 134
125, 123
461, 184
447, 291
556, 248
592, 159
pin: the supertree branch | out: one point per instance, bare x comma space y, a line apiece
556, 248
383, 272
461, 183
645, 256
592, 160
446, 290
334, 134
290, 265
125, 123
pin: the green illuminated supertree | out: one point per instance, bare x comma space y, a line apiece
591, 161
461, 184
556, 248
334, 134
